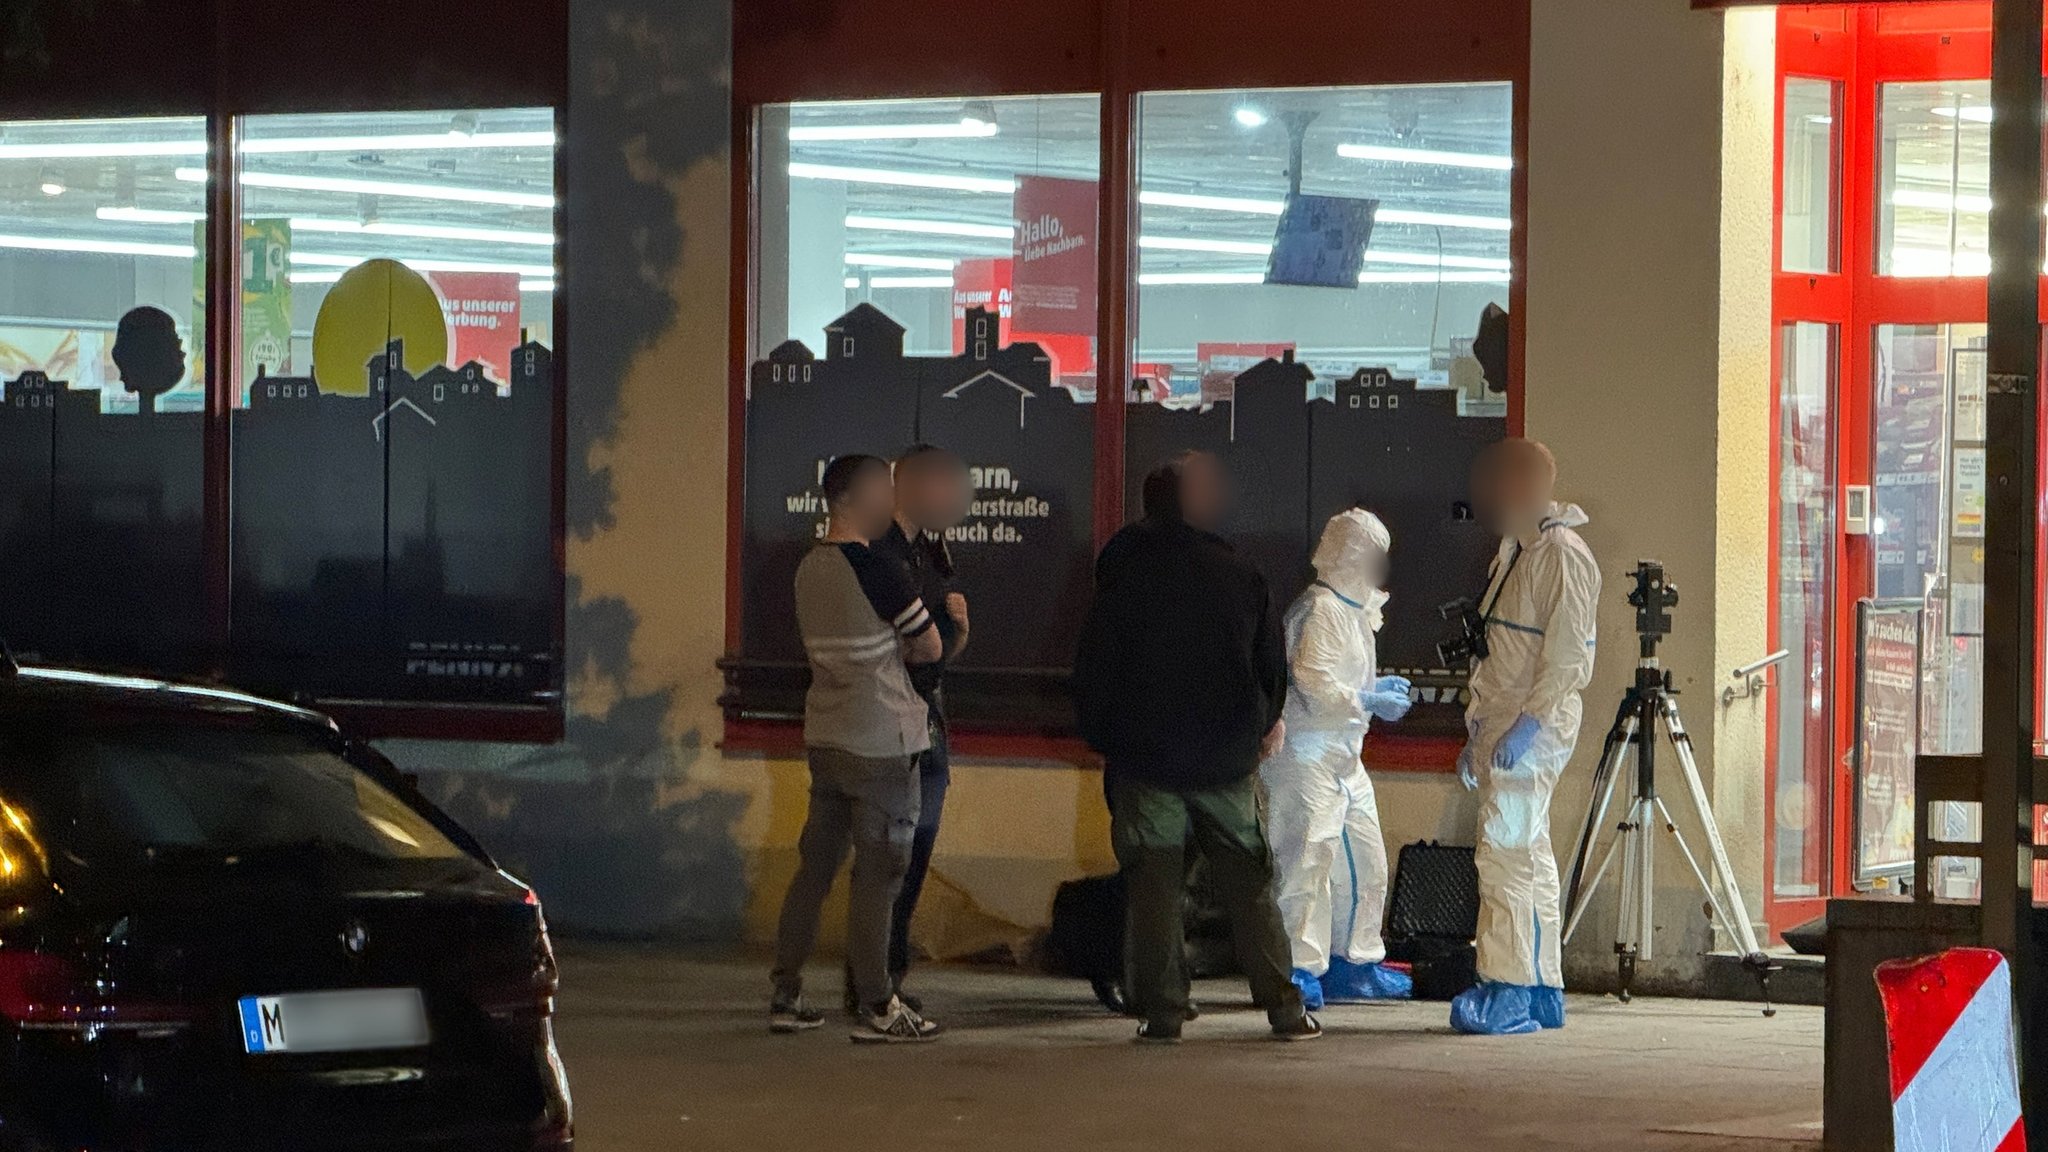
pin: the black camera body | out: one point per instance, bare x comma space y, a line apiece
1470, 642
1652, 598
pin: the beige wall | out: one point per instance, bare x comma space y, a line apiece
1647, 374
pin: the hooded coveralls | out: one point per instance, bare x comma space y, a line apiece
1321, 816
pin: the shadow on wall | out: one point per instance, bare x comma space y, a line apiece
607, 826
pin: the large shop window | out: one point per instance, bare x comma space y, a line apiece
926, 271
1322, 283
393, 429
391, 403
101, 440
1805, 531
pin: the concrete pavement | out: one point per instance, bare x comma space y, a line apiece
671, 1052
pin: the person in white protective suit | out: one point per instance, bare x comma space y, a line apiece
1321, 817
1521, 724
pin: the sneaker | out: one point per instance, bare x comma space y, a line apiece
787, 1014
1304, 1027
1154, 1033
895, 1023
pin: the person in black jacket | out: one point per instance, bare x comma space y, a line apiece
1179, 683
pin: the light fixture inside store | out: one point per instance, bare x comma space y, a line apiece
132, 215
1367, 277
931, 227
1978, 113
942, 180
424, 264
1249, 117
334, 276
966, 128
52, 184
382, 188
1385, 215
536, 285
396, 142
1372, 256
853, 282
1391, 154
100, 247
910, 281
880, 260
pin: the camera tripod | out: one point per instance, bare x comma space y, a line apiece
1651, 705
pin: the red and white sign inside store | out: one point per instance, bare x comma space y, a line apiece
483, 318
1054, 254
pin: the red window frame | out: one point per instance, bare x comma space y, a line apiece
1118, 49
1861, 47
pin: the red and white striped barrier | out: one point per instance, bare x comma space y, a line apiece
1955, 1078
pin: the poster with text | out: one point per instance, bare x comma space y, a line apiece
985, 283
483, 318
1887, 728
1053, 281
266, 296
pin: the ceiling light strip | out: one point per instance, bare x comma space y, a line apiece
954, 130
382, 188
1390, 154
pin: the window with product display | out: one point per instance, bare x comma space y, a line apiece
927, 273
398, 272
1309, 308
101, 439
390, 472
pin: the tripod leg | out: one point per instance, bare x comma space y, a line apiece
1578, 911
1734, 917
1606, 777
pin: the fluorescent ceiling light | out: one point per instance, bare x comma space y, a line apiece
1249, 116
1939, 201
426, 231
1369, 277
351, 227
1393, 155
536, 285
330, 260
1432, 260
1444, 219
315, 277
877, 260
109, 149
903, 179
331, 277
382, 188
100, 247
149, 216
1980, 113
931, 227
1198, 244
853, 281
53, 187
967, 127
407, 142
910, 281
1150, 278
1211, 203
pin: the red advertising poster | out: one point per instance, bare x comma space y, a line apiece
1054, 285
978, 282
483, 318
1219, 364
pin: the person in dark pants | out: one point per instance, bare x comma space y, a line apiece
932, 496
1179, 683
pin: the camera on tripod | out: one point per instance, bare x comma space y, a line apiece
1470, 642
1653, 599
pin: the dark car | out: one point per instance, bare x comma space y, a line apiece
224, 926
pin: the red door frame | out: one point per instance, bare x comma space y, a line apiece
1861, 47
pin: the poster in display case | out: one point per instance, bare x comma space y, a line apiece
1886, 737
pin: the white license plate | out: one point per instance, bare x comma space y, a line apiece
354, 1020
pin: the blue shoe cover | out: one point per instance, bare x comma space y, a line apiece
1347, 983
1546, 1006
1311, 989
1495, 1009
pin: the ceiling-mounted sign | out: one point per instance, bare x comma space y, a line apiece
1053, 255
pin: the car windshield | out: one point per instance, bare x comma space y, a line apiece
224, 792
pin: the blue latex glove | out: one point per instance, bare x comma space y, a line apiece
1468, 768
1387, 699
1515, 744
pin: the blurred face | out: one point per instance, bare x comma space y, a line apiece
1204, 492
933, 491
1511, 487
871, 504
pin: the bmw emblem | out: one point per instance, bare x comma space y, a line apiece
354, 938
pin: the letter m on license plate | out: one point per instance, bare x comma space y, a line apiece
263, 1024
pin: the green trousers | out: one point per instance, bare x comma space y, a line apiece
1150, 828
